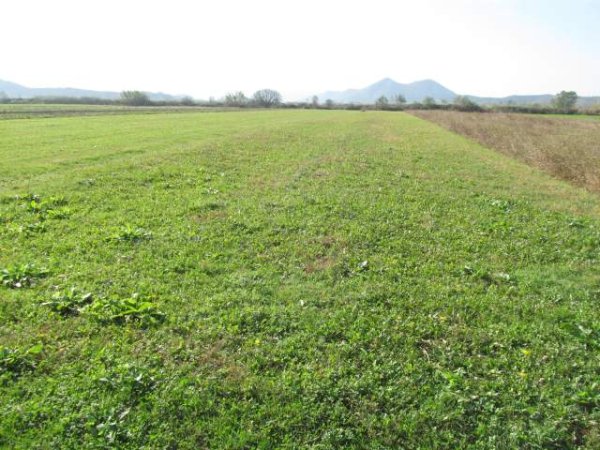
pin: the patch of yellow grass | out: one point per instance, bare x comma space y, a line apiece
568, 149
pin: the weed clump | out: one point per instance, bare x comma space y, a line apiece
130, 379
14, 362
29, 229
126, 310
42, 210
70, 302
490, 278
22, 275
50, 208
129, 233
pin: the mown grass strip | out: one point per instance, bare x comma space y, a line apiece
312, 279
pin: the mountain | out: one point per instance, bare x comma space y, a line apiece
14, 90
413, 92
419, 90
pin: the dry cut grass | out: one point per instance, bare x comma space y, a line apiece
568, 149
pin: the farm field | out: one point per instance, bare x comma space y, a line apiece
564, 146
290, 279
570, 116
29, 111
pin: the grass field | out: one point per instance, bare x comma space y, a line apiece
571, 116
567, 147
290, 279
29, 111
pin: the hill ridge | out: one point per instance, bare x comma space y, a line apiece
15, 90
417, 91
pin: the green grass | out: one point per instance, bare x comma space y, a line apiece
15, 107
291, 279
31, 110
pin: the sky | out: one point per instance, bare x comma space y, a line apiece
207, 48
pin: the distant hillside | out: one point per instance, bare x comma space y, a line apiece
14, 90
544, 99
413, 92
419, 90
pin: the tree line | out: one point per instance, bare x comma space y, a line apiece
563, 102
263, 98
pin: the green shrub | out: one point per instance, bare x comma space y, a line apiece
463, 103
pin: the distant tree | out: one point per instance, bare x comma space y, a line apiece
315, 101
134, 98
187, 101
267, 98
429, 102
329, 103
565, 101
463, 103
3, 97
400, 99
382, 102
236, 99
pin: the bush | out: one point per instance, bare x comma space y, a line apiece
565, 101
462, 103
429, 103
382, 102
187, 101
134, 98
